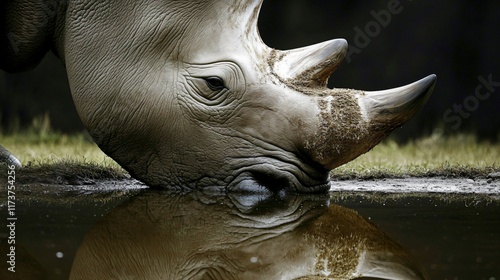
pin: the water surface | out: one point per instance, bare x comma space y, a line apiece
120, 230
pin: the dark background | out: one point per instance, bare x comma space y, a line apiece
457, 40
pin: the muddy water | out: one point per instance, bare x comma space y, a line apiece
121, 230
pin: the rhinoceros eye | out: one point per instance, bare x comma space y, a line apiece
215, 83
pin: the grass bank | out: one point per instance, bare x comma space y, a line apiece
35, 149
457, 156
50, 157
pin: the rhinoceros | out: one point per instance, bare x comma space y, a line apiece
185, 93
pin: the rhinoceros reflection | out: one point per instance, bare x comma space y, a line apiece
158, 236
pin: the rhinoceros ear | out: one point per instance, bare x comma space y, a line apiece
26, 29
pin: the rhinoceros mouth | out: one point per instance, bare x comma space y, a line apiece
276, 179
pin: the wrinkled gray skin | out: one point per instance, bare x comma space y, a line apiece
184, 93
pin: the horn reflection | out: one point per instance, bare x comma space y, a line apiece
160, 236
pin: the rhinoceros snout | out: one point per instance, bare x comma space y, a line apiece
349, 122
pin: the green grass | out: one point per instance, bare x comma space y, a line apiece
456, 156
43, 152
49, 157
51, 148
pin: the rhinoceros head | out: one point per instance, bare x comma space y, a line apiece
185, 93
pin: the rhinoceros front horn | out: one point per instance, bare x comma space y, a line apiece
396, 106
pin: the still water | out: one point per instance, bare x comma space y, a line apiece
121, 230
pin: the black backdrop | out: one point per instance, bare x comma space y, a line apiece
392, 43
